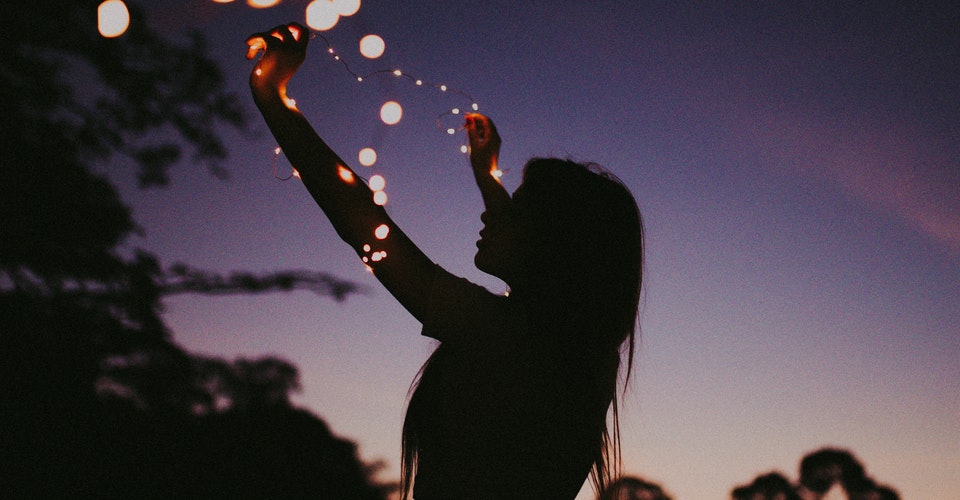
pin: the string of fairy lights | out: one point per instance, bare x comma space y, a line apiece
113, 19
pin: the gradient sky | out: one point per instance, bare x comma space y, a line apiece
797, 167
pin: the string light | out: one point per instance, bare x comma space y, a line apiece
391, 112
323, 15
367, 157
372, 46
262, 4
113, 18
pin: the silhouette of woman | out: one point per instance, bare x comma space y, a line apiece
514, 401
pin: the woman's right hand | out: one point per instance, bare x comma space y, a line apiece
284, 49
484, 142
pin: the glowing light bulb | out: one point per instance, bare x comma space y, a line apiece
367, 157
376, 257
296, 173
451, 131
113, 18
258, 71
262, 4
455, 111
377, 183
290, 103
443, 88
475, 107
419, 82
222, 1
398, 72
322, 15
391, 112
380, 198
366, 247
464, 149
372, 46
276, 150
497, 173
345, 174
381, 231
347, 7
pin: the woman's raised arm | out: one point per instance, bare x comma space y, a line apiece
345, 199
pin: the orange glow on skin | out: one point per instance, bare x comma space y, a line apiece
345, 174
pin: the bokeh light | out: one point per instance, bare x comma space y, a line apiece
380, 198
345, 174
381, 231
377, 183
367, 157
347, 7
113, 18
391, 112
322, 15
372, 46
262, 4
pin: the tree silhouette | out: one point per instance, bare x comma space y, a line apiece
97, 398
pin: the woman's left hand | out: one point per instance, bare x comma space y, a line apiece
284, 49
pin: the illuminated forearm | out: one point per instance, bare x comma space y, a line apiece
346, 201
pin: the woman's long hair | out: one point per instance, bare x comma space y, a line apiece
584, 272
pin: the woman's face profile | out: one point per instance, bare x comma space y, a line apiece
500, 250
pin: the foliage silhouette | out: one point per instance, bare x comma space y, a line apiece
97, 399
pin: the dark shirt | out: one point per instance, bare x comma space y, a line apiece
505, 417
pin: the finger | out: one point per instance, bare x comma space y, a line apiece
296, 30
255, 44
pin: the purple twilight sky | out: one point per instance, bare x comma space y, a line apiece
797, 165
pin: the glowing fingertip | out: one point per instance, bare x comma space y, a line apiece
345, 174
